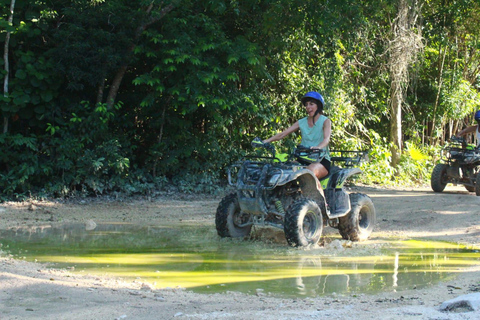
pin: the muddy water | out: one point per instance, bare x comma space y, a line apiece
194, 257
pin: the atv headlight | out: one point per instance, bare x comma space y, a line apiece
274, 179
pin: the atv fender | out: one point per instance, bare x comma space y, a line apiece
337, 198
338, 178
308, 183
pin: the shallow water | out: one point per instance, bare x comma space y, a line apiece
194, 257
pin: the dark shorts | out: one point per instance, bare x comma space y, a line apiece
326, 163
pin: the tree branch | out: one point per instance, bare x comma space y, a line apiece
117, 80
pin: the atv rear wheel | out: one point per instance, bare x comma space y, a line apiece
439, 177
303, 223
357, 225
229, 220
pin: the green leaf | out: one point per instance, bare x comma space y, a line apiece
21, 100
20, 74
232, 59
46, 96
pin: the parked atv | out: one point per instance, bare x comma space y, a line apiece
279, 191
460, 165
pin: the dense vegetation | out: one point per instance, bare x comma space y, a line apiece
136, 96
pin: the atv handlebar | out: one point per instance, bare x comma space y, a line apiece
258, 143
302, 148
308, 154
458, 140
349, 158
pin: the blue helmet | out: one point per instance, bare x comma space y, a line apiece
313, 95
477, 115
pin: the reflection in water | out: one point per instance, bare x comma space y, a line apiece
194, 257
395, 270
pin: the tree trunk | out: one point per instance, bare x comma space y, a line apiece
402, 49
101, 88
6, 63
455, 127
160, 137
117, 80
396, 124
437, 98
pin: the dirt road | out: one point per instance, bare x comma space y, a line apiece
32, 291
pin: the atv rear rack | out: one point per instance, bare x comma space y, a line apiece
349, 158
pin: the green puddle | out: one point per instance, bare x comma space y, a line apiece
194, 257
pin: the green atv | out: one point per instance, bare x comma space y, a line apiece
279, 191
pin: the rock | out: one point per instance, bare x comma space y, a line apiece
347, 244
90, 225
464, 303
336, 245
147, 287
259, 292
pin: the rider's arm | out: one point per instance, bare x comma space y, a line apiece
466, 130
327, 132
283, 134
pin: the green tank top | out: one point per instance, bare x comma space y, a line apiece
312, 136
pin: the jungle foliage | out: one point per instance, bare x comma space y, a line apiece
136, 96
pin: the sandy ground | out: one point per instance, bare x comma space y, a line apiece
33, 291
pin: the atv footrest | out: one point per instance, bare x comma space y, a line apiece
251, 205
339, 202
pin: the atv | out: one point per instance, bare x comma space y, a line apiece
460, 165
278, 190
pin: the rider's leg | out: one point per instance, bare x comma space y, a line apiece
320, 171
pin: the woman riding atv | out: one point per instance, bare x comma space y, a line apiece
315, 129
472, 129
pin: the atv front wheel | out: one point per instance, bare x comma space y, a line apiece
357, 225
303, 223
439, 177
230, 221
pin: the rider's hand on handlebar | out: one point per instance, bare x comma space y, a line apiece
458, 138
315, 149
455, 138
302, 147
257, 143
